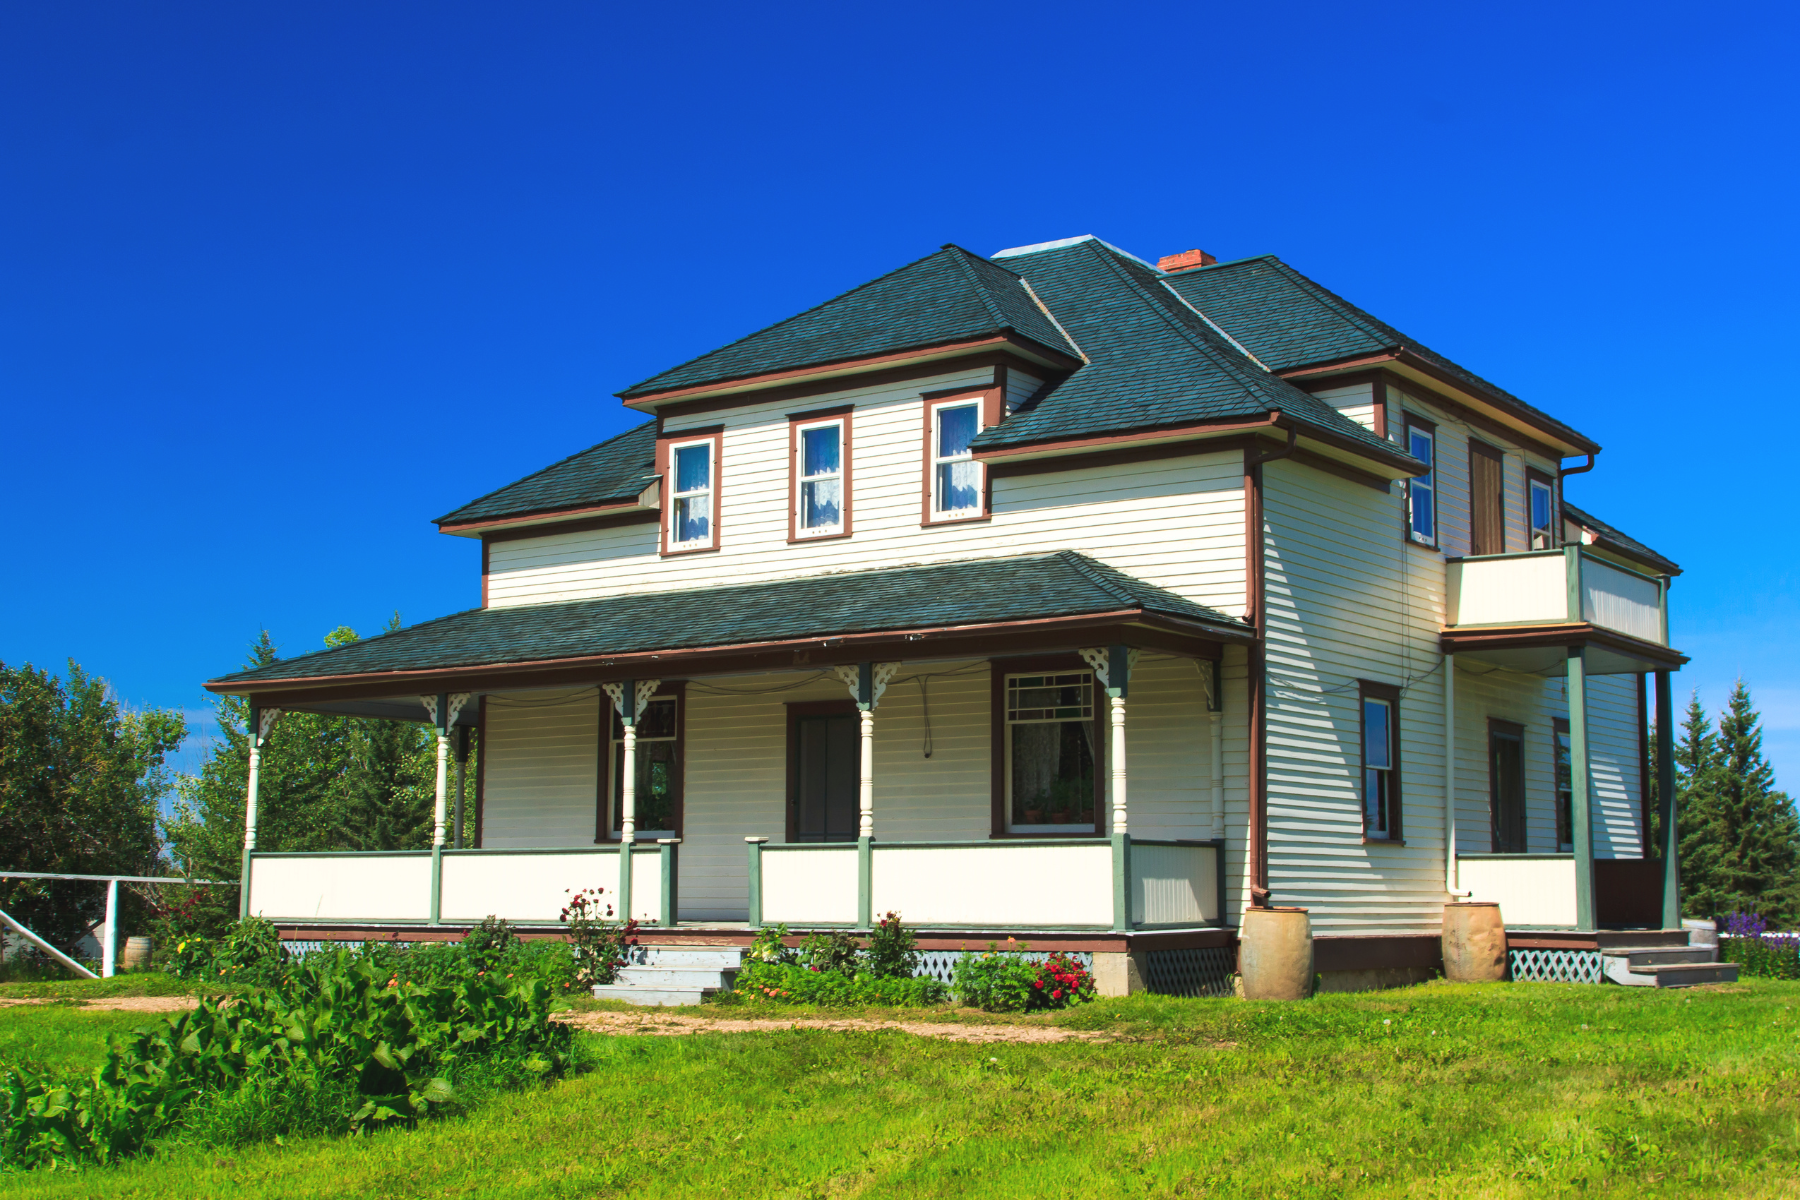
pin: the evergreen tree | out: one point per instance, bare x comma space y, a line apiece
80, 779
1740, 837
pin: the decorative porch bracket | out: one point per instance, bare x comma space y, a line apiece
628, 700
1665, 801
866, 681
1580, 786
1112, 667
443, 708
262, 720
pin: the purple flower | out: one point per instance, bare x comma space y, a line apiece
1742, 924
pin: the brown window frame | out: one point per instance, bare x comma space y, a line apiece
604, 833
999, 669
1410, 420
1554, 530
1516, 731
665, 444
991, 401
844, 414
1389, 694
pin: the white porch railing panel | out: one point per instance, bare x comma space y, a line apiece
1517, 589
341, 887
1174, 885
526, 888
646, 885
809, 885
1621, 600
994, 884
1531, 889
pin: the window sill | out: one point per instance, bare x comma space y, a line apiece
1027, 835
818, 537
932, 524
714, 549
644, 837
1428, 547
1381, 841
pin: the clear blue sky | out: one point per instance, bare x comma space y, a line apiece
279, 283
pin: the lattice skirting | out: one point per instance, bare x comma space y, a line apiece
941, 964
1204, 971
298, 947
1554, 966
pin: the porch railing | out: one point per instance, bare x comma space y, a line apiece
420, 887
1531, 889
1039, 883
1546, 587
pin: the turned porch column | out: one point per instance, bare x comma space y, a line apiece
866, 681
444, 709
628, 700
261, 721
1112, 669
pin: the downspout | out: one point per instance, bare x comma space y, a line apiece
1258, 781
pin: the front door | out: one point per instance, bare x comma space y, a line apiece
1506, 786
826, 752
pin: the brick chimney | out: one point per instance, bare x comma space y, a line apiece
1184, 260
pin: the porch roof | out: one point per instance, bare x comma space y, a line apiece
916, 603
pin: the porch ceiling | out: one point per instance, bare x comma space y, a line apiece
975, 608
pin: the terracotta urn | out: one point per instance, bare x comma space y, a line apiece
1275, 954
1474, 943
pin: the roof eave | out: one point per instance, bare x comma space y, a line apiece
1029, 348
646, 502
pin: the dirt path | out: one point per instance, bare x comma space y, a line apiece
668, 1024
144, 1004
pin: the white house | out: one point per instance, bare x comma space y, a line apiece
1054, 595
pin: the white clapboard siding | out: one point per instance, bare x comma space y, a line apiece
1357, 401
1347, 600
540, 773
1615, 760
1020, 387
1177, 522
1484, 693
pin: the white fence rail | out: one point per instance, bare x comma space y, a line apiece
994, 884
341, 887
1531, 889
809, 885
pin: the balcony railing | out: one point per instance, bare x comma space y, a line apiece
1551, 587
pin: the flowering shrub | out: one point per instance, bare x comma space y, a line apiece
1013, 980
771, 945
250, 952
791, 983
893, 952
1748, 943
831, 950
598, 943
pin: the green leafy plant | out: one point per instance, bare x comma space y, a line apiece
791, 983
599, 944
250, 952
770, 945
1014, 980
892, 952
829, 950
487, 943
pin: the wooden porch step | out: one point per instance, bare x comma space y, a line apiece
1663, 966
674, 974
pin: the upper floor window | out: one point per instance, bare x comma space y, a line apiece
956, 478
819, 475
1380, 761
1543, 511
1421, 491
690, 471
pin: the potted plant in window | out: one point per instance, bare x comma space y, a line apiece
1067, 797
1034, 809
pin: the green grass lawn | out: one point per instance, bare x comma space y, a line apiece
1442, 1090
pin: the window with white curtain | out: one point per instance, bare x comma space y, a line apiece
955, 475
1050, 753
819, 499
691, 499
1421, 493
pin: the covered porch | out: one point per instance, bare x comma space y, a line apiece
1572, 614
1027, 745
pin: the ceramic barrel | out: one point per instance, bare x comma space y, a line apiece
1474, 943
1275, 954
137, 953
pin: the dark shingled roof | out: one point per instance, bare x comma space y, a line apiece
1153, 360
950, 296
615, 470
1618, 542
971, 592
1288, 321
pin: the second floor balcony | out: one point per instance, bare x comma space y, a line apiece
1522, 611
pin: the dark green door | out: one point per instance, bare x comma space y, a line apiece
825, 752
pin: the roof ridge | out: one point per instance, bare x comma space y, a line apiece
542, 470
1086, 567
980, 288
778, 324
1253, 392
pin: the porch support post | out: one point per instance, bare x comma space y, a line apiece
866, 681
261, 721
667, 864
462, 770
1579, 816
109, 932
628, 700
1112, 667
1451, 881
754, 845
1665, 801
443, 708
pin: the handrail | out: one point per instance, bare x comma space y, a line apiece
52, 951
120, 878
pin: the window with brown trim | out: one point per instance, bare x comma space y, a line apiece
660, 729
819, 496
1048, 748
1506, 785
955, 487
1380, 723
1421, 490
1541, 509
688, 462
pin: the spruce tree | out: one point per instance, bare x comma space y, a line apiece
1740, 837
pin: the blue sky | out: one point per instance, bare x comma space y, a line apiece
278, 284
